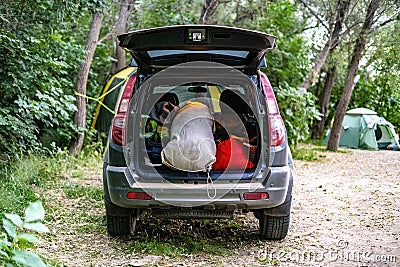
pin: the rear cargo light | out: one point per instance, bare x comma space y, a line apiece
276, 125
120, 117
255, 196
139, 195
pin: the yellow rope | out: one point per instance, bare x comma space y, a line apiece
100, 98
95, 99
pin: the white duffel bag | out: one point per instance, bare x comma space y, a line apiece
191, 146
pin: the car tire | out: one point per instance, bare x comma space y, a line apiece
273, 227
120, 221
122, 225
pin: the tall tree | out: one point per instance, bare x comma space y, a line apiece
352, 69
121, 26
333, 41
323, 103
209, 8
157, 13
334, 30
83, 73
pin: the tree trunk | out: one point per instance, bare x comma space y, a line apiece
341, 12
344, 101
323, 103
83, 73
333, 40
119, 59
209, 8
318, 64
324, 97
122, 26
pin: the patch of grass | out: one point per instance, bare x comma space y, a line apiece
14, 196
323, 149
77, 216
234, 224
306, 154
31, 178
54, 263
174, 247
73, 206
314, 151
85, 192
80, 209
18, 179
196, 246
154, 247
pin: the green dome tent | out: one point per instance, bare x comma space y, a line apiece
363, 129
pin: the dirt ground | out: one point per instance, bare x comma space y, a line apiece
345, 212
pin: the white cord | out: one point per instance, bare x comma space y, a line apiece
210, 181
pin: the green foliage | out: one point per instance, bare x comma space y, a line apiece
167, 12
37, 101
78, 191
298, 111
26, 179
180, 245
288, 62
16, 237
22, 175
18, 179
305, 154
40, 55
95, 5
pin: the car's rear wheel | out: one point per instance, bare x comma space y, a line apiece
120, 220
273, 227
118, 225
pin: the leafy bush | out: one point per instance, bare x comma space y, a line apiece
37, 90
298, 111
289, 61
16, 237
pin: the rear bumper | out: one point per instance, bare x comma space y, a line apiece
221, 194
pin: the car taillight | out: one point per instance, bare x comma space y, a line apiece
117, 128
255, 196
123, 105
276, 125
139, 195
120, 117
276, 130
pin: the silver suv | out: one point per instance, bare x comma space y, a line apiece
218, 68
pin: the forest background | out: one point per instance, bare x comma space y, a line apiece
332, 55
56, 55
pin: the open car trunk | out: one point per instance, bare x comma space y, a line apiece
223, 61
237, 114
